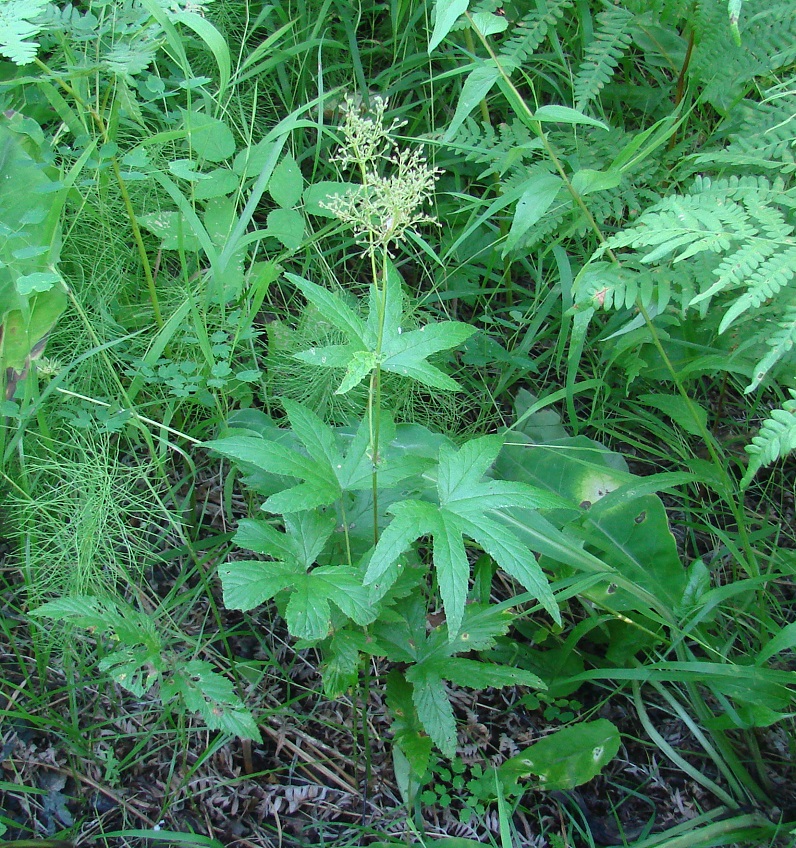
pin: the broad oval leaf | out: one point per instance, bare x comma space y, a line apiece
208, 137
286, 184
567, 758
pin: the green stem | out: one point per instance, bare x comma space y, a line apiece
536, 127
374, 395
735, 508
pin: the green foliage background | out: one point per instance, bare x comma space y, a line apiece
445, 295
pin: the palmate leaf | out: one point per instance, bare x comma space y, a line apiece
437, 664
465, 501
328, 470
404, 353
248, 583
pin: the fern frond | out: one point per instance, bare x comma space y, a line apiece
530, 31
714, 218
18, 24
665, 11
768, 44
777, 438
781, 343
736, 268
773, 275
602, 55
606, 286
509, 145
767, 137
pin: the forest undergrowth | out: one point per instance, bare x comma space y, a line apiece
399, 423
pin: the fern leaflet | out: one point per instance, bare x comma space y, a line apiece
777, 438
531, 31
18, 24
602, 55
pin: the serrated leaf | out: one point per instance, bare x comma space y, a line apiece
83, 611
287, 225
359, 366
400, 352
308, 615
332, 308
407, 733
319, 489
412, 519
217, 183
307, 533
248, 583
461, 490
481, 625
252, 159
343, 586
205, 691
209, 138
341, 671
317, 437
185, 169
286, 184
405, 353
480, 675
514, 558
259, 536
433, 708
452, 567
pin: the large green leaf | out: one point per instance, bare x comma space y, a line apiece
433, 708
567, 758
330, 466
208, 137
286, 184
540, 191
465, 504
447, 13
381, 341
291, 568
620, 521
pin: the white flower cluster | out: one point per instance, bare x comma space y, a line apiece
396, 183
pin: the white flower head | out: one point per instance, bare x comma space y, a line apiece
396, 183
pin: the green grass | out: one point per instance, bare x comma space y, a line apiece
579, 313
